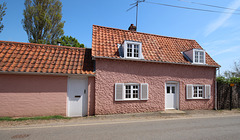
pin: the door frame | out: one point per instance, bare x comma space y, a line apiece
176, 94
67, 102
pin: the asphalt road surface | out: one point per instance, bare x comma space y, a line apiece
214, 128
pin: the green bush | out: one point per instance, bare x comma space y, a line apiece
222, 79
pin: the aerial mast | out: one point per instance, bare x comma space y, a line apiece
135, 4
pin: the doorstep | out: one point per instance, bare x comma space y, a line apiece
173, 111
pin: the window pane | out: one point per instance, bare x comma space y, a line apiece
168, 89
195, 91
173, 90
128, 91
196, 56
135, 91
129, 50
200, 90
136, 48
201, 57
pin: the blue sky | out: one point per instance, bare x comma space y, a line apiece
217, 33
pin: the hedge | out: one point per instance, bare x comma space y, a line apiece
222, 79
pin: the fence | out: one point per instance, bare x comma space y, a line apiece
224, 99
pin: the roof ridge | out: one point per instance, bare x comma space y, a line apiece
45, 45
145, 33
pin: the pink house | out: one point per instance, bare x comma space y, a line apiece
41, 80
140, 72
124, 72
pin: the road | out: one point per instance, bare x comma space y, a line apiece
214, 128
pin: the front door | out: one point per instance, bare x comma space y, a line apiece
77, 97
170, 96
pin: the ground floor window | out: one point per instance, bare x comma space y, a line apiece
131, 91
198, 91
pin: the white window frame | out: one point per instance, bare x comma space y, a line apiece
190, 91
131, 84
126, 42
203, 92
199, 51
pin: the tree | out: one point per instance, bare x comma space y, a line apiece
70, 41
42, 21
234, 73
2, 13
236, 69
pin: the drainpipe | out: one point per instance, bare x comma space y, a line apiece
216, 108
216, 95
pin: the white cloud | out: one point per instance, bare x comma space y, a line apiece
222, 19
232, 49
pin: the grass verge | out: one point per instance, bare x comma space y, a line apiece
34, 118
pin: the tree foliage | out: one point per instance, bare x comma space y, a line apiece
235, 72
70, 41
236, 69
232, 76
2, 14
42, 21
222, 79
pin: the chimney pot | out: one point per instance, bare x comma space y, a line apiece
132, 28
59, 43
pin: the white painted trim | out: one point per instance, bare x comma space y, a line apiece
140, 56
122, 84
204, 56
68, 106
203, 90
85, 78
177, 94
124, 92
147, 91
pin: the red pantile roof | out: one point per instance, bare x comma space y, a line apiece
158, 48
49, 59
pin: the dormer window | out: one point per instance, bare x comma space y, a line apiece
196, 56
199, 57
131, 49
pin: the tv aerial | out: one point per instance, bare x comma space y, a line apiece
135, 4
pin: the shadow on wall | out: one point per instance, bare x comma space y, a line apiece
88, 64
155, 69
32, 83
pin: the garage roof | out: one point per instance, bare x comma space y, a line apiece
46, 59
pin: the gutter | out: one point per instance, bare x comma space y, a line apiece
141, 60
39, 73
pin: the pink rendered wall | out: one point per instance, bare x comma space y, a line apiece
109, 72
91, 96
32, 95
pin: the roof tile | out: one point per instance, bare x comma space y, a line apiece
154, 47
29, 57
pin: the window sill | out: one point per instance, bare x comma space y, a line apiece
199, 63
198, 99
132, 58
131, 99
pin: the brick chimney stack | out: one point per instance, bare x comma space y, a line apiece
132, 28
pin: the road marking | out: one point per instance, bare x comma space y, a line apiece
118, 122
